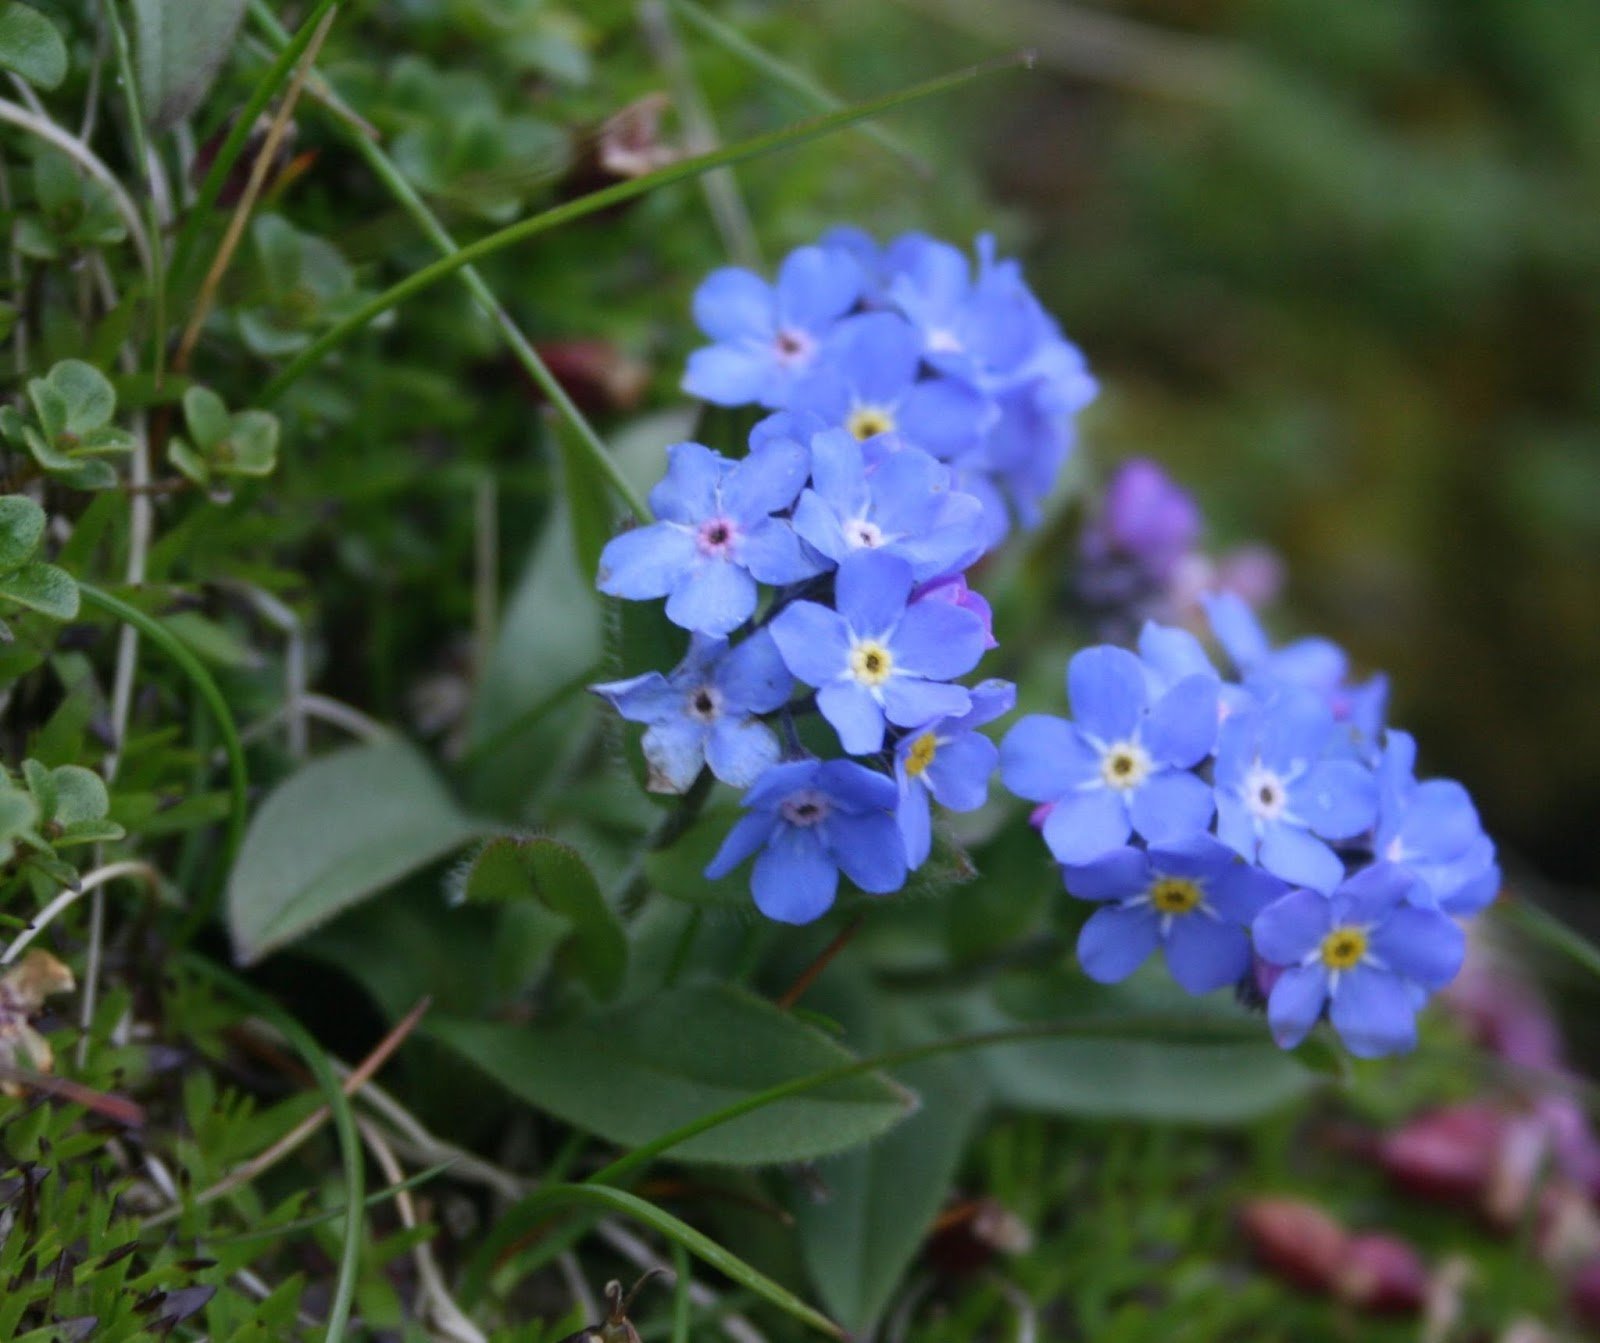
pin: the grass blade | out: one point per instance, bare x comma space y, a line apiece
1544, 928
317, 1219
755, 147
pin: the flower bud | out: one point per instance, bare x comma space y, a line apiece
1295, 1240
1383, 1274
1447, 1154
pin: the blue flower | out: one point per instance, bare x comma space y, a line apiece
703, 712
716, 537
1364, 953
1432, 829
868, 384
1193, 898
768, 335
1281, 791
1315, 664
1122, 764
949, 761
875, 657
897, 502
811, 820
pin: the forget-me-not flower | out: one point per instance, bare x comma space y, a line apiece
1122, 764
704, 711
949, 761
810, 820
1283, 789
876, 657
1432, 829
715, 538
1193, 898
1364, 953
767, 336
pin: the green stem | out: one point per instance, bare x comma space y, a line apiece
190, 665
681, 1305
239, 135
317, 1219
384, 168
584, 206
344, 1124
1544, 928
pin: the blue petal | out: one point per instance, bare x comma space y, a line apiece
909, 701
732, 303
715, 598
650, 698
1290, 929
1237, 629
855, 788
819, 526
814, 642
1235, 826
915, 819
839, 472
674, 751
1242, 892
1107, 693
854, 714
1173, 654
794, 880
943, 416
1338, 799
1373, 1013
879, 352
817, 285
1420, 944
1194, 855
937, 640
749, 833
1203, 954
1464, 896
770, 790
1294, 730
1440, 822
1295, 1004
1042, 758
732, 375
1115, 942
740, 750
773, 554
688, 492
1182, 727
753, 678
959, 772
871, 591
1319, 664
1085, 826
1376, 890
952, 542
1119, 875
1299, 857
1171, 805
869, 850
645, 563
766, 481
991, 699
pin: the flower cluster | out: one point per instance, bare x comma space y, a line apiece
820, 574
1263, 830
907, 344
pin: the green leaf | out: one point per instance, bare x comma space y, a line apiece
555, 874
251, 448
588, 499
637, 1072
679, 870
188, 461
207, 416
42, 587
181, 47
338, 831
85, 393
18, 815
859, 1240
212, 642
31, 45
21, 530
80, 795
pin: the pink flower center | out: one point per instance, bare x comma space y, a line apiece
716, 536
808, 807
793, 348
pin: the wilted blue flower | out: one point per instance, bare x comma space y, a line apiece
811, 820
952, 588
1281, 791
1316, 664
868, 384
1192, 897
768, 335
1122, 764
950, 761
898, 502
876, 657
703, 712
1364, 953
716, 537
1432, 829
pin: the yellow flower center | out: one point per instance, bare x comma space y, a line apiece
869, 421
921, 754
1124, 765
1344, 948
1175, 895
870, 662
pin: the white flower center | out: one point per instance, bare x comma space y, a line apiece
863, 535
870, 662
869, 421
806, 808
1124, 765
1266, 795
941, 340
793, 348
704, 703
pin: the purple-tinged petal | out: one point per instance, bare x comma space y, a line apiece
1086, 826
794, 881
714, 598
645, 563
1290, 929
1295, 1004
1115, 942
1119, 875
1106, 689
854, 715
1373, 1013
1203, 954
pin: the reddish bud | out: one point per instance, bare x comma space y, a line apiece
968, 1235
1297, 1241
1584, 1294
1382, 1274
1448, 1154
